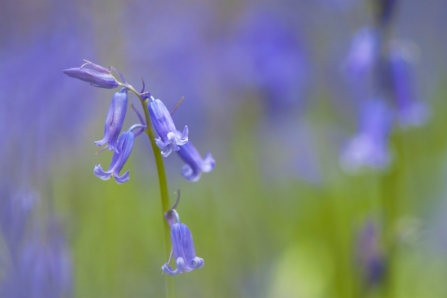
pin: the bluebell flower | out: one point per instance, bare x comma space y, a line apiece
385, 10
182, 250
363, 52
195, 165
170, 139
410, 111
124, 147
369, 147
114, 120
369, 255
97, 75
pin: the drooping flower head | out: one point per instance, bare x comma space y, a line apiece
169, 139
124, 147
369, 256
194, 164
369, 147
97, 75
384, 10
182, 249
114, 120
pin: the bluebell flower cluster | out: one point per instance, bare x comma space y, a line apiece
168, 139
389, 61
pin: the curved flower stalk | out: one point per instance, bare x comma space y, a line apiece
195, 165
97, 75
169, 138
182, 249
114, 120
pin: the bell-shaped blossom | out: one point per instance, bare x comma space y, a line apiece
410, 111
114, 120
363, 52
169, 139
369, 255
195, 165
97, 75
183, 251
385, 10
124, 147
369, 147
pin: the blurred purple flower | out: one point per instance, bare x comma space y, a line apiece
183, 250
369, 147
194, 164
170, 139
369, 256
35, 268
114, 120
15, 209
263, 53
410, 111
385, 10
363, 52
97, 75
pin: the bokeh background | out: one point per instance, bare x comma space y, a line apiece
266, 92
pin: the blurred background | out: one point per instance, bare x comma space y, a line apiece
283, 93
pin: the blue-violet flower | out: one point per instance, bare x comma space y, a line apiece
114, 120
410, 111
97, 75
363, 52
369, 147
369, 256
170, 139
195, 165
124, 147
183, 251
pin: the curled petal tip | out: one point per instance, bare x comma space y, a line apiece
168, 270
100, 173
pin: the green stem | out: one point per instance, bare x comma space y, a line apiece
391, 208
165, 206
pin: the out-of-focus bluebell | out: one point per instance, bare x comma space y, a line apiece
369, 147
363, 52
38, 263
97, 75
15, 210
263, 54
410, 111
194, 163
384, 10
29, 113
369, 256
114, 120
124, 147
169, 138
182, 249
